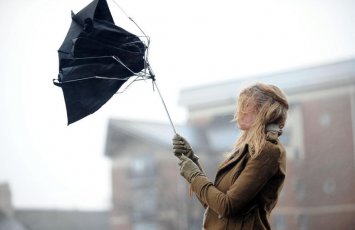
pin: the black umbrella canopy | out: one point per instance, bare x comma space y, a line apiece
95, 59
97, 9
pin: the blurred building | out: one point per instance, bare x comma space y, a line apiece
147, 191
7, 217
319, 192
44, 219
48, 219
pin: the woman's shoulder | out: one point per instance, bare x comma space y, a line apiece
271, 155
272, 149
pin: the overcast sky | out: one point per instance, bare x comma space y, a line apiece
193, 42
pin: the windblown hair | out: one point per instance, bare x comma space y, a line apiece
270, 105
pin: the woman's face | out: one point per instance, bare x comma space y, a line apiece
246, 117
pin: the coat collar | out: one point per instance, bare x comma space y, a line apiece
235, 157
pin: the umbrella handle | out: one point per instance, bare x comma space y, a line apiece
166, 109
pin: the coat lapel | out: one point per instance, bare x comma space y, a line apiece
230, 162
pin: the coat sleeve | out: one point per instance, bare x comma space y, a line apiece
255, 175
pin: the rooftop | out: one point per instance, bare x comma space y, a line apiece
298, 80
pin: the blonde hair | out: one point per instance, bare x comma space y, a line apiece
270, 105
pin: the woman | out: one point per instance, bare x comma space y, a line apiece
249, 181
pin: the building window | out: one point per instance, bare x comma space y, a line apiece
145, 226
285, 138
144, 203
302, 222
296, 154
142, 165
325, 120
329, 186
300, 189
142, 170
280, 222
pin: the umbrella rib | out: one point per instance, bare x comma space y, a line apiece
94, 77
138, 75
143, 74
129, 85
128, 16
105, 78
119, 61
134, 73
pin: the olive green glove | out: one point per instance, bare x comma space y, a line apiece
182, 147
188, 169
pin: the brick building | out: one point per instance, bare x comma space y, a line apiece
147, 192
319, 192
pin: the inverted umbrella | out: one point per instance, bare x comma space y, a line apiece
96, 58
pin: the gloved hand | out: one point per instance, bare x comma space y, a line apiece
188, 169
182, 147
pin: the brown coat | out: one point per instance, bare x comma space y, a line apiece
245, 189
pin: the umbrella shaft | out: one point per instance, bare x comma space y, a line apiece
166, 109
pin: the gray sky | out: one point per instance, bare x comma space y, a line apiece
50, 165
